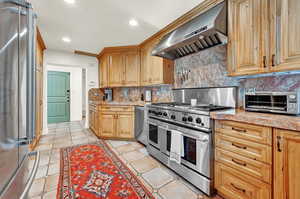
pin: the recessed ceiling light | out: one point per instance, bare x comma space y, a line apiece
70, 1
66, 39
133, 22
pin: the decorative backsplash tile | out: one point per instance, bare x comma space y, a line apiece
208, 69
161, 93
205, 69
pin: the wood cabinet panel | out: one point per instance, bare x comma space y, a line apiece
245, 148
116, 69
288, 31
259, 134
108, 124
246, 48
132, 68
125, 125
232, 184
286, 164
103, 72
245, 165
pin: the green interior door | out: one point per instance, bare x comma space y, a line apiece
58, 97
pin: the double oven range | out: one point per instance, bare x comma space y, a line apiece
196, 128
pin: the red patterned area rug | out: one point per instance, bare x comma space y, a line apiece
94, 171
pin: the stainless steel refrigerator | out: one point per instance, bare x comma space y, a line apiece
17, 91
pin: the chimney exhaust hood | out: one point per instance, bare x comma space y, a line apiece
207, 30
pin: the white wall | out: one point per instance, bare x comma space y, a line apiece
66, 60
75, 90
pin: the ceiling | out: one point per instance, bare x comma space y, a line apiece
95, 24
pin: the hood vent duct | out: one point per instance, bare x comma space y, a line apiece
207, 30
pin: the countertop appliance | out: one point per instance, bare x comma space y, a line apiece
197, 130
273, 102
17, 99
139, 124
108, 95
207, 30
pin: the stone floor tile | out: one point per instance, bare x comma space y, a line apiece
50, 195
133, 155
144, 150
37, 187
53, 169
157, 177
41, 172
115, 143
176, 190
145, 164
43, 147
51, 183
127, 148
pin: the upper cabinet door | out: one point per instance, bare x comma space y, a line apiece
116, 69
286, 164
145, 67
132, 68
288, 35
103, 72
247, 41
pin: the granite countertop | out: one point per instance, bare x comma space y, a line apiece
263, 119
117, 103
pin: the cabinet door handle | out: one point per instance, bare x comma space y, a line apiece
239, 130
265, 61
237, 188
279, 149
239, 163
273, 60
238, 146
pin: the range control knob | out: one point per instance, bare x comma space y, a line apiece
165, 114
184, 119
159, 113
190, 118
173, 117
198, 120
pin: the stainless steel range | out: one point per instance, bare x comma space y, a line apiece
195, 127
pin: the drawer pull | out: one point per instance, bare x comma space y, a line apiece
239, 130
279, 144
237, 188
239, 163
238, 146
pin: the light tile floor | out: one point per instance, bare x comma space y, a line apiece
161, 181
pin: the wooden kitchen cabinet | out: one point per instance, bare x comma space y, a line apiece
108, 125
103, 71
116, 69
263, 36
40, 47
155, 70
132, 68
124, 125
116, 122
247, 36
286, 164
120, 67
286, 31
243, 159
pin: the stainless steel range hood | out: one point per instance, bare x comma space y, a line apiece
207, 30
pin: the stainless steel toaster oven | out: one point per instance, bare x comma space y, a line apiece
275, 102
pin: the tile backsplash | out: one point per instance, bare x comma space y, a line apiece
209, 69
162, 93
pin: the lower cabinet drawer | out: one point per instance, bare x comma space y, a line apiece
252, 150
254, 168
232, 184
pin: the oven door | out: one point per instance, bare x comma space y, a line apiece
198, 152
197, 148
